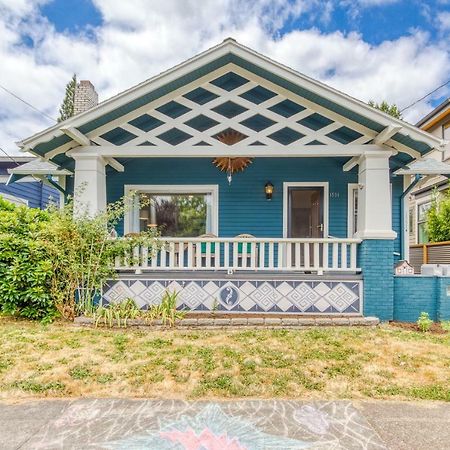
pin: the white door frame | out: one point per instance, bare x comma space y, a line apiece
323, 184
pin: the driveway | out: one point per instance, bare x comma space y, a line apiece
232, 425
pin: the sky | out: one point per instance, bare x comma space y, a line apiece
393, 50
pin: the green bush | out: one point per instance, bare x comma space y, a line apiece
438, 218
424, 322
25, 268
51, 262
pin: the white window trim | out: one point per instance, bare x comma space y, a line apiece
212, 189
423, 201
13, 199
287, 185
350, 209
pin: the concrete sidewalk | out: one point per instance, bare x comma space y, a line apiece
234, 425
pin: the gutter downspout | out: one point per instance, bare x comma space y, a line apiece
403, 219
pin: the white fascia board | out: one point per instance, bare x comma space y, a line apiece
19, 171
275, 151
231, 46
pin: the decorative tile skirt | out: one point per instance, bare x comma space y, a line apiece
244, 295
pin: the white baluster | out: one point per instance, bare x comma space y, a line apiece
335, 255
144, 256
253, 255
316, 261
297, 255
235, 255
288, 255
163, 257
208, 255
217, 255
280, 264
307, 263
325, 255
343, 255
181, 255
244, 255
271, 255
262, 254
198, 255
190, 256
226, 259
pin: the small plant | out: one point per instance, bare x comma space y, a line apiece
445, 324
119, 312
166, 310
424, 322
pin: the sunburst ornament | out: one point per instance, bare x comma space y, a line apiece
227, 164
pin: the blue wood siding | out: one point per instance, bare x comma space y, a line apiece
243, 207
36, 193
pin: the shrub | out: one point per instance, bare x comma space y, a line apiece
438, 218
424, 322
82, 254
52, 262
25, 269
445, 324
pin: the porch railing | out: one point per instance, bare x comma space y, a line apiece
246, 254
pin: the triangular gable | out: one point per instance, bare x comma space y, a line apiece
229, 87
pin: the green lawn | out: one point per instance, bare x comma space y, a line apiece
61, 360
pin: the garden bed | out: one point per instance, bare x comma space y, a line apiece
435, 327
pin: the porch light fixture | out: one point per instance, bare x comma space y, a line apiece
268, 189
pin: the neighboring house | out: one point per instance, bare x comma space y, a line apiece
30, 190
293, 183
437, 122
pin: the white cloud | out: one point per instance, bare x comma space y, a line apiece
136, 42
444, 20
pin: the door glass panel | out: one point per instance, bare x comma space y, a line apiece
305, 212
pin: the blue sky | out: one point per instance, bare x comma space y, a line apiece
395, 50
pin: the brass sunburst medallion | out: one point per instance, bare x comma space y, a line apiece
227, 164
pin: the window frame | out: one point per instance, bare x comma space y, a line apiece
169, 189
418, 221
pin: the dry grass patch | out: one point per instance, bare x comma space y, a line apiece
64, 360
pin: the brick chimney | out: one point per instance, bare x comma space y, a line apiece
86, 97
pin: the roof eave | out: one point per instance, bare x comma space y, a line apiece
231, 46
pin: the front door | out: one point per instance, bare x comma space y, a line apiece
305, 212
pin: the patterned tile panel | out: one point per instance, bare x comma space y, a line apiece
234, 295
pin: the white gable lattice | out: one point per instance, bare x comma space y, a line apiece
231, 98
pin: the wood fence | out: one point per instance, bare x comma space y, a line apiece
431, 253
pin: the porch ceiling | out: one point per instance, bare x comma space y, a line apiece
234, 88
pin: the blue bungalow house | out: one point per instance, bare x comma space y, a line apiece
274, 193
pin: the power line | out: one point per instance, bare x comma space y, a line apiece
28, 104
10, 157
425, 96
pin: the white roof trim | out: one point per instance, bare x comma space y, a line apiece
425, 166
230, 46
37, 167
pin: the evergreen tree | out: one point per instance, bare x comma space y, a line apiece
67, 106
384, 106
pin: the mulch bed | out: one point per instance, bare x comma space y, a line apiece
435, 327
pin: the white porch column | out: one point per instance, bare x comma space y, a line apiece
90, 185
374, 198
